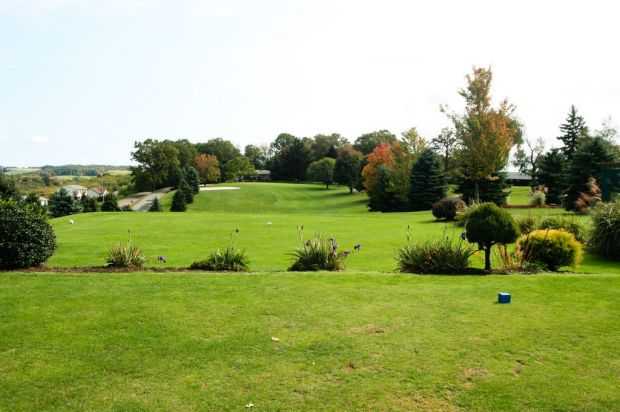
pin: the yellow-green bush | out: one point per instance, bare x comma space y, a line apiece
550, 248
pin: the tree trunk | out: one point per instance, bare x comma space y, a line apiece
487, 258
350, 189
476, 192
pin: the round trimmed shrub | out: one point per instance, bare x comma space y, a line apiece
448, 207
605, 235
550, 248
488, 225
26, 238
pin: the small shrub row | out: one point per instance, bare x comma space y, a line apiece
528, 224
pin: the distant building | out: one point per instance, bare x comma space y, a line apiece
96, 193
518, 178
43, 201
263, 175
76, 191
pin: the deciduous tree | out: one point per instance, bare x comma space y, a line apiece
208, 168
322, 171
347, 170
486, 134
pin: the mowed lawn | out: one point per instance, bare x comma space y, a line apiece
267, 216
361, 340
344, 342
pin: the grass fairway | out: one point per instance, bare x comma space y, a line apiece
362, 340
267, 215
346, 342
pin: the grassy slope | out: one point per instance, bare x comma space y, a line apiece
185, 237
347, 342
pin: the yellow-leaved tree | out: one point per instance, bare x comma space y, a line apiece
486, 134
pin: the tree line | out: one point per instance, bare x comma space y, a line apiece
406, 172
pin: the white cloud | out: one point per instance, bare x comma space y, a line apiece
40, 139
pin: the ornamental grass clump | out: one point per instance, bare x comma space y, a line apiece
551, 248
605, 236
125, 255
440, 256
228, 259
318, 253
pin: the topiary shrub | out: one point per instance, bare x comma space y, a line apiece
605, 236
318, 253
178, 202
550, 248
26, 238
488, 225
443, 256
448, 208
229, 259
567, 224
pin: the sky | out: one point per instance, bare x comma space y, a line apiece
82, 80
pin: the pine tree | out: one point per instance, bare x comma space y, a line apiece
155, 205
187, 191
428, 183
110, 204
551, 173
383, 198
178, 202
61, 204
89, 204
588, 162
573, 132
492, 189
193, 179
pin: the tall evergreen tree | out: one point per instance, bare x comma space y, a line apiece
192, 178
110, 203
379, 198
178, 202
155, 205
588, 161
492, 189
61, 203
551, 173
573, 132
428, 183
89, 204
186, 190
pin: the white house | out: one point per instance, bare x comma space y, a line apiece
76, 191
96, 192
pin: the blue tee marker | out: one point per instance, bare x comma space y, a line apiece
503, 297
